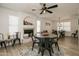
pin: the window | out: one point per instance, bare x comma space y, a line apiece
13, 24
66, 26
38, 25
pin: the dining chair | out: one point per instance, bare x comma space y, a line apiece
34, 41
17, 38
2, 41
75, 34
55, 41
10, 40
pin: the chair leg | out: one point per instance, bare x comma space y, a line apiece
4, 44
39, 50
1, 44
42, 52
33, 46
19, 41
56, 44
50, 52
52, 49
58, 47
13, 42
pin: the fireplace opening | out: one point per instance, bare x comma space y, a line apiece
29, 32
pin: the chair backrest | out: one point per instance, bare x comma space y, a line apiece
17, 35
1, 36
32, 37
76, 31
54, 32
10, 37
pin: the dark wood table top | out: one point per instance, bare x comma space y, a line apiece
51, 36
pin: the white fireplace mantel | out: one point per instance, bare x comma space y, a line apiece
28, 27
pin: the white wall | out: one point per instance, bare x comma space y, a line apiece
47, 27
74, 25
32, 19
4, 16
4, 22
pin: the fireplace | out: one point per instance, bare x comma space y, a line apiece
28, 31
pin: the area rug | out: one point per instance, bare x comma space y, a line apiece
29, 52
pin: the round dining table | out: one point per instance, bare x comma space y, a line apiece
45, 42
50, 36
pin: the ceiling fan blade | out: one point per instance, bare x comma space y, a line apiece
42, 11
49, 11
54, 6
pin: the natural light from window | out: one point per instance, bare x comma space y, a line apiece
13, 24
66, 26
38, 25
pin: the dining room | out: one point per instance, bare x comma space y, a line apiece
40, 29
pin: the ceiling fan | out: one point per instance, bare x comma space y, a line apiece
46, 9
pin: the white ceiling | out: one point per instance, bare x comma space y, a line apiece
64, 10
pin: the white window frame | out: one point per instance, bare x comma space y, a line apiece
64, 26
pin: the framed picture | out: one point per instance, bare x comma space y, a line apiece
26, 22
48, 24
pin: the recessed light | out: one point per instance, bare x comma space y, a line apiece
33, 9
